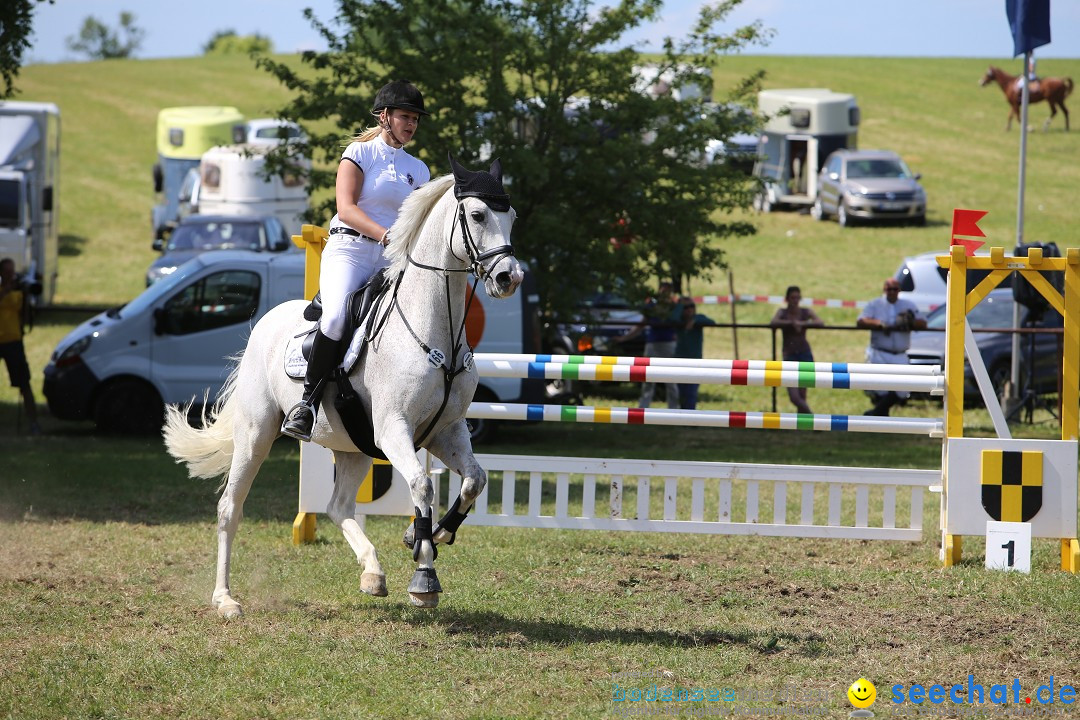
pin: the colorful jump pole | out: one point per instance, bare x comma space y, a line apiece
794, 375
706, 418
718, 364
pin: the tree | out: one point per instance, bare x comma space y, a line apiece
99, 42
227, 42
543, 84
16, 24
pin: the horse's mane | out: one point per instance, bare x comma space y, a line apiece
414, 213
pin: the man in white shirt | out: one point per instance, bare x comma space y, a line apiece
890, 320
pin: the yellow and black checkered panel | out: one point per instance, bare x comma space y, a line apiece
1012, 484
376, 483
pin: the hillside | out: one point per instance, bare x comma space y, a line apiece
932, 111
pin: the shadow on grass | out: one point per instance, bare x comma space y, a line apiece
494, 628
79, 475
71, 245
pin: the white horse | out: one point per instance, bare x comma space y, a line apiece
454, 225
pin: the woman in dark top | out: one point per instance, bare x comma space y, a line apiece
793, 322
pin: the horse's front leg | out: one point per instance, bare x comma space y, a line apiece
350, 471
454, 447
396, 441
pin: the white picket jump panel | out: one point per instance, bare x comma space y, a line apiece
727, 519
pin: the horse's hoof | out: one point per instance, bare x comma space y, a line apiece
229, 610
424, 581
373, 584
424, 600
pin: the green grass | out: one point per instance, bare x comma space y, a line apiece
106, 566
107, 549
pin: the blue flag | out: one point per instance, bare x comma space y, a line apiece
1029, 21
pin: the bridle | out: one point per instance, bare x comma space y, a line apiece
481, 270
475, 262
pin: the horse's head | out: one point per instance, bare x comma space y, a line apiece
988, 77
482, 228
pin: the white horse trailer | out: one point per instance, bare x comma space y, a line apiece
232, 180
802, 127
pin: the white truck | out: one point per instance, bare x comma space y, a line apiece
29, 198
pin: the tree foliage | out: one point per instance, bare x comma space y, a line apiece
227, 42
16, 24
592, 159
98, 41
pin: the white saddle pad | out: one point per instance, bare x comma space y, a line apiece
296, 363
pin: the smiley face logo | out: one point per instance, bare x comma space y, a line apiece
862, 693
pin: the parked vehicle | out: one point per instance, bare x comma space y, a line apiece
859, 185
923, 281
29, 198
591, 330
173, 343
200, 233
271, 131
232, 180
995, 311
803, 126
183, 135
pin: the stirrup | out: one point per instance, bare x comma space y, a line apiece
299, 422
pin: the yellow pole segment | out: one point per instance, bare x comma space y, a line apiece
1070, 364
312, 240
956, 312
1070, 555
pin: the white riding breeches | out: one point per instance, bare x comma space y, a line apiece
347, 263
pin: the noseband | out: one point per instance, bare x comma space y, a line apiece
475, 262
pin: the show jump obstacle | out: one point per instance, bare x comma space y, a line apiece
980, 479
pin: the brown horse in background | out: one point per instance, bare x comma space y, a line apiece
1053, 90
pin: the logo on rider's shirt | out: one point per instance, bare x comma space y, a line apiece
409, 177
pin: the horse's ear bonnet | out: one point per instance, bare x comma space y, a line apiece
488, 186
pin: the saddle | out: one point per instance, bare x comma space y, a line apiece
359, 303
355, 417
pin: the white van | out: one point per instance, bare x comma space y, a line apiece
174, 342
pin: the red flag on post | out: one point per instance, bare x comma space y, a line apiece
966, 222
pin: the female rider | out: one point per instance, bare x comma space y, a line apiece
373, 179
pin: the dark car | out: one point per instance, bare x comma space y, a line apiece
199, 233
591, 330
996, 311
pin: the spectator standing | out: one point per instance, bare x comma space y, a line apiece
659, 341
13, 315
689, 343
890, 320
793, 321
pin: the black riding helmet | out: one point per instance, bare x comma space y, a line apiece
399, 94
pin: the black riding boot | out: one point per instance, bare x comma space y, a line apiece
300, 420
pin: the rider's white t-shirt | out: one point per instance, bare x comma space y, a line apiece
390, 174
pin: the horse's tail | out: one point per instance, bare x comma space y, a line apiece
207, 450
1068, 86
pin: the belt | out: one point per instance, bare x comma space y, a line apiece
889, 350
351, 233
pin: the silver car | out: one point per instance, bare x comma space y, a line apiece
868, 185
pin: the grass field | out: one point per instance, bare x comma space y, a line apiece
107, 549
